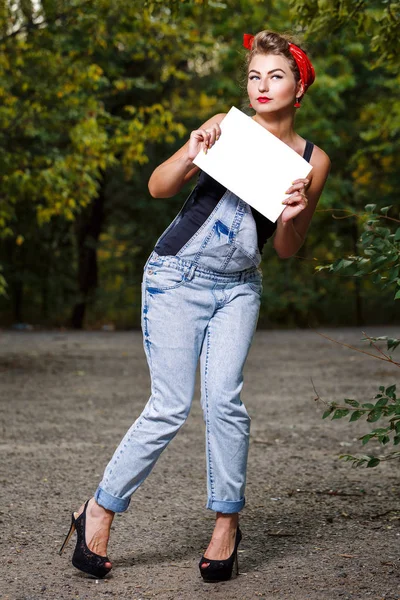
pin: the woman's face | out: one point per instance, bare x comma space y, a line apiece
271, 84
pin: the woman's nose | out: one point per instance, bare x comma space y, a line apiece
262, 84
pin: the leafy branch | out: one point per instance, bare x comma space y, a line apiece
380, 255
392, 343
387, 405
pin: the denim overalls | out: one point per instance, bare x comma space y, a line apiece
202, 303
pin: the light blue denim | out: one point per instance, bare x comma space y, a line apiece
202, 304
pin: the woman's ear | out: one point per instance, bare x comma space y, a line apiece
300, 89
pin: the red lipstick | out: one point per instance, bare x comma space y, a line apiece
263, 99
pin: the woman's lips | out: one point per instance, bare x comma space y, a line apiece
263, 100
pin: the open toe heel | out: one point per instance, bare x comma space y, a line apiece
84, 559
221, 570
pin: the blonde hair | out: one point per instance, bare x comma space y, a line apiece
270, 42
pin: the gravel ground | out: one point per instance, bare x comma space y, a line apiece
313, 527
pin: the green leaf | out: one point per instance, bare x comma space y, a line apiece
385, 439
346, 263
374, 415
397, 235
382, 402
351, 402
391, 391
385, 210
365, 438
370, 208
340, 413
356, 415
374, 462
328, 412
349, 458
380, 431
393, 274
392, 343
396, 440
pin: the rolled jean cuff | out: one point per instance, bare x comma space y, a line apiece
225, 506
109, 502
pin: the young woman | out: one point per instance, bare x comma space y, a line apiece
201, 297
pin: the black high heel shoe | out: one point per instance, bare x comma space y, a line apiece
221, 570
84, 559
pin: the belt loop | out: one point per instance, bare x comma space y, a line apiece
189, 272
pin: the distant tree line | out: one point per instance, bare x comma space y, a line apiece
95, 93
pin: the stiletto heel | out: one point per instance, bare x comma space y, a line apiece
68, 536
83, 558
221, 570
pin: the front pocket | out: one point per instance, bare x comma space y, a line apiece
160, 279
256, 286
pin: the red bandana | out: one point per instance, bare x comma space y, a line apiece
306, 70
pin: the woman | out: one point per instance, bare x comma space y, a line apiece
201, 297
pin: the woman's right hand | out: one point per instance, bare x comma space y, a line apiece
169, 177
203, 139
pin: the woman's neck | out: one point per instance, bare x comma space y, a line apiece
281, 127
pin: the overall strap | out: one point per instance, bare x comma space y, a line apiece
308, 151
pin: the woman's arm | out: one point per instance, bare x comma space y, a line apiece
294, 221
169, 177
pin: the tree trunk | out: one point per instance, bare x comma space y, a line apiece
18, 294
88, 229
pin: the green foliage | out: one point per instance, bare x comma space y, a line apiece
371, 175
379, 259
379, 251
96, 93
387, 406
392, 343
377, 20
86, 92
66, 114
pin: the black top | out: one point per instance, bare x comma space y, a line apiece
200, 205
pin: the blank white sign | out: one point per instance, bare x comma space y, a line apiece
253, 163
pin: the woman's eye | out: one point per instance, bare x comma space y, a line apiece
253, 77
278, 76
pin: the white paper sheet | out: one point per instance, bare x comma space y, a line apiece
253, 164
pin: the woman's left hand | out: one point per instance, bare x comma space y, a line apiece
297, 200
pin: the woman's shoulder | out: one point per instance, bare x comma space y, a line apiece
214, 119
319, 158
321, 165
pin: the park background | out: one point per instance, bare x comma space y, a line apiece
95, 94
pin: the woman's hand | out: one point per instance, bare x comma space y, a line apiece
297, 200
203, 139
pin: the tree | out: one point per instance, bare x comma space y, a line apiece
79, 82
118, 86
375, 167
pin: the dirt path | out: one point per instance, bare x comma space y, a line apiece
67, 398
